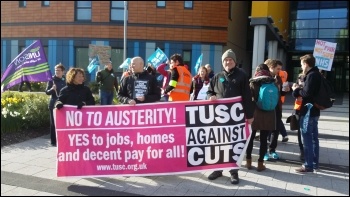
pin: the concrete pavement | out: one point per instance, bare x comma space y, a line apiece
29, 168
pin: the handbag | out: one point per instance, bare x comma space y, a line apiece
293, 121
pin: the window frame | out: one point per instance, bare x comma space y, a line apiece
44, 5
188, 63
159, 6
188, 8
82, 8
22, 4
116, 9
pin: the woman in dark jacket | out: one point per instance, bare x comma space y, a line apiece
75, 93
265, 121
53, 88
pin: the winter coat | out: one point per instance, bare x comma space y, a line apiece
232, 84
263, 120
60, 83
76, 94
166, 75
312, 83
126, 91
197, 84
108, 81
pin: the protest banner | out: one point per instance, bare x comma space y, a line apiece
30, 65
324, 54
94, 63
157, 58
151, 139
103, 53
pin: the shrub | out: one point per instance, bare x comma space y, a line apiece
23, 111
12, 118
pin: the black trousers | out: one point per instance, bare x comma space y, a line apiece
263, 145
52, 128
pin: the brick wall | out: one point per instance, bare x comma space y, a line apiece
206, 22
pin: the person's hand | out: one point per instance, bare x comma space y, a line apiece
80, 105
212, 98
163, 91
99, 75
132, 102
59, 105
141, 98
250, 121
286, 89
295, 86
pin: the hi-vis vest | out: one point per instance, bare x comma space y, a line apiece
284, 76
183, 86
297, 103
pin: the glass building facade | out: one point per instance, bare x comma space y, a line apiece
323, 20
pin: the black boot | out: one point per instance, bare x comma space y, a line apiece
234, 178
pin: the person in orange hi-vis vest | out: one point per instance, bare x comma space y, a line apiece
180, 81
284, 76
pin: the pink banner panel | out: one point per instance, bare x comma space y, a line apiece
151, 139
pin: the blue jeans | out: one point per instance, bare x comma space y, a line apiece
106, 97
310, 142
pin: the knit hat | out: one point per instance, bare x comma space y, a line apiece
228, 53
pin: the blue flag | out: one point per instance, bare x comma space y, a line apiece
93, 64
198, 63
157, 58
126, 63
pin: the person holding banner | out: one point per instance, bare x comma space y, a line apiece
200, 84
53, 88
108, 82
180, 81
140, 87
231, 82
75, 92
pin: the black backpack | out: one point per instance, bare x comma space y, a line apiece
326, 96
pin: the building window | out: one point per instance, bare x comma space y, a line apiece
117, 60
45, 3
117, 10
188, 4
83, 10
186, 56
82, 57
22, 4
161, 4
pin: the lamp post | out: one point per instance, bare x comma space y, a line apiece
125, 26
